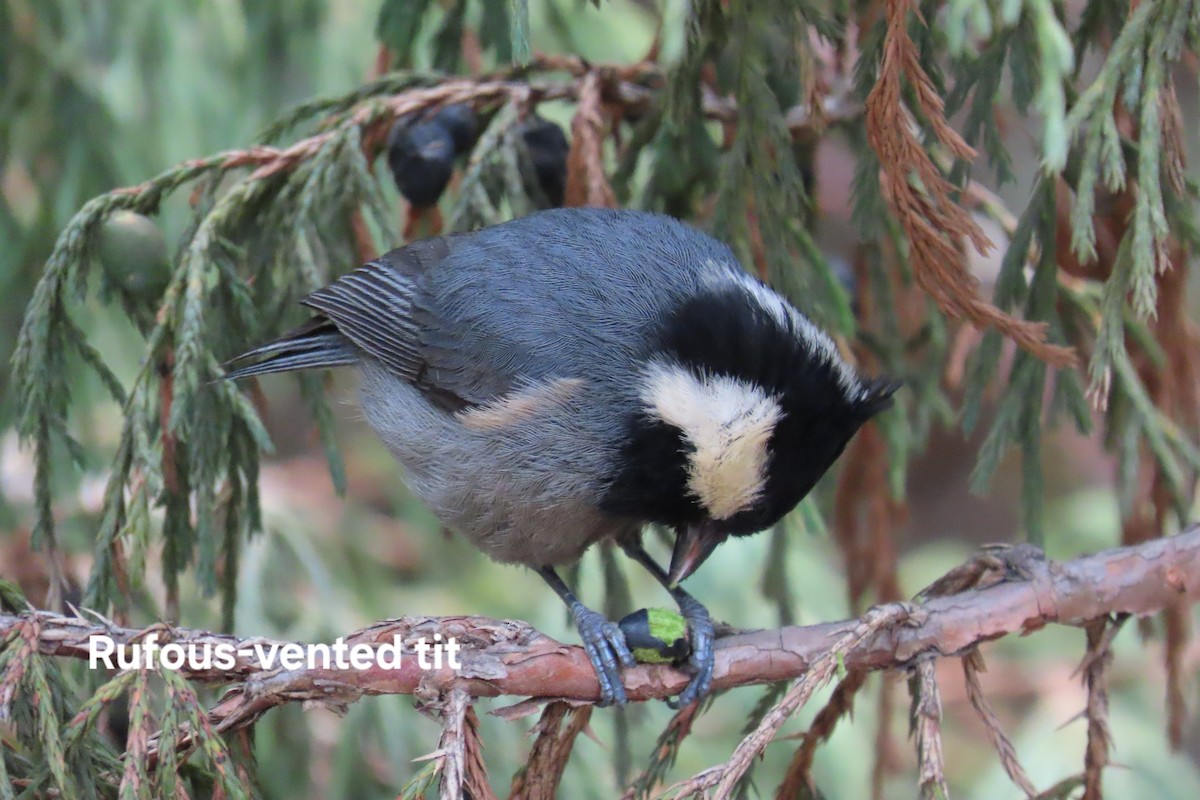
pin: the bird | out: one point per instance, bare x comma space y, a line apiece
578, 375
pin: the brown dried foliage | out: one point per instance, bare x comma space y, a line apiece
477, 785
798, 778
1177, 623
724, 778
1095, 679
973, 665
1174, 153
587, 183
865, 515
665, 750
539, 778
460, 750
364, 245
921, 197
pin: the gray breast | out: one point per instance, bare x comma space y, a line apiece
521, 484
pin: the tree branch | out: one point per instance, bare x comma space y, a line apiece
511, 658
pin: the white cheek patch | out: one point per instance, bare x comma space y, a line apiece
727, 422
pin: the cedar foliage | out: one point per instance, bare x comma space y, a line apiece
1086, 324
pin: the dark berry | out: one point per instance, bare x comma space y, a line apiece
421, 157
548, 148
460, 120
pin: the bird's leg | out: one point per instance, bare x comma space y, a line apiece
603, 641
700, 627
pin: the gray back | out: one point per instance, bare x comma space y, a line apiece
559, 294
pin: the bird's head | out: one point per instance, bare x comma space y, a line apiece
743, 405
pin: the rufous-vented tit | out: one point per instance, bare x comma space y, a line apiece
574, 375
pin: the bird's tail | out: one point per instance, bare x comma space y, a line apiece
313, 345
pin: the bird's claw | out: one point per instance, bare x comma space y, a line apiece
701, 635
604, 643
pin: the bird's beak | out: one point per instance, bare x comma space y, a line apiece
693, 545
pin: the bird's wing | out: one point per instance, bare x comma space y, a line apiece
384, 309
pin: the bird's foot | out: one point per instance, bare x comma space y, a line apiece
701, 635
605, 645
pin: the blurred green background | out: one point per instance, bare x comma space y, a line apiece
96, 95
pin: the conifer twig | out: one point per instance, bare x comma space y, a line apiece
936, 226
927, 729
726, 776
511, 658
973, 665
